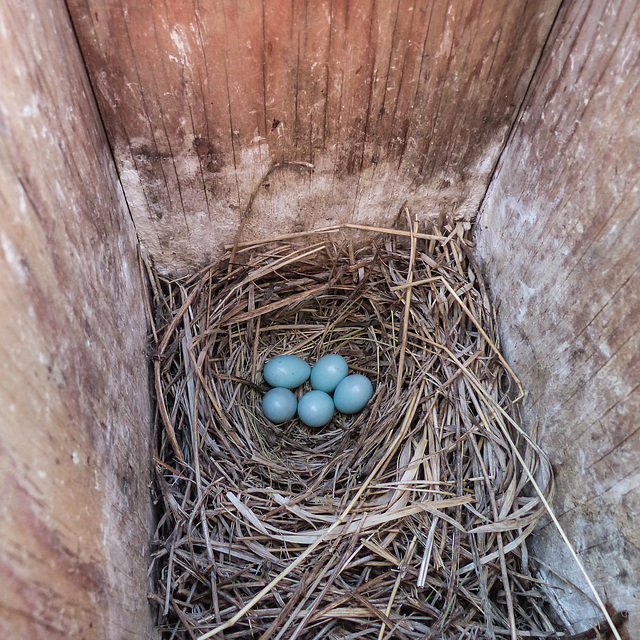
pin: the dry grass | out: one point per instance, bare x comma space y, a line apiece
408, 520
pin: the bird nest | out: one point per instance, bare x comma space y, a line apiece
408, 520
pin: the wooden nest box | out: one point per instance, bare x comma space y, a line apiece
152, 126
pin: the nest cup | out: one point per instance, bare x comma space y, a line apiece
407, 519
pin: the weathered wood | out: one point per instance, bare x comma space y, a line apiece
74, 402
559, 235
390, 101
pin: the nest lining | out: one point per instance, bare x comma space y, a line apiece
408, 520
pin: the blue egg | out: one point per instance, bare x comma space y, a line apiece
352, 393
315, 408
286, 371
279, 404
328, 371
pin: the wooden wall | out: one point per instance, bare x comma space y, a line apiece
390, 100
559, 234
74, 402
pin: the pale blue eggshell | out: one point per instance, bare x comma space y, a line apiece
328, 371
286, 371
352, 393
315, 408
279, 405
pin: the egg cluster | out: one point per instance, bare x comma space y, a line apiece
316, 407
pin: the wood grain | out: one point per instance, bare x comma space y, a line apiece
389, 100
559, 236
74, 401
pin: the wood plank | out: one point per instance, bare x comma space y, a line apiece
74, 403
391, 101
558, 234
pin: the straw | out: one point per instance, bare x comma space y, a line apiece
407, 520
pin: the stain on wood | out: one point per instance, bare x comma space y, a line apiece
390, 101
74, 401
559, 234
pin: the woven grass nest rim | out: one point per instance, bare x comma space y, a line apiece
407, 520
